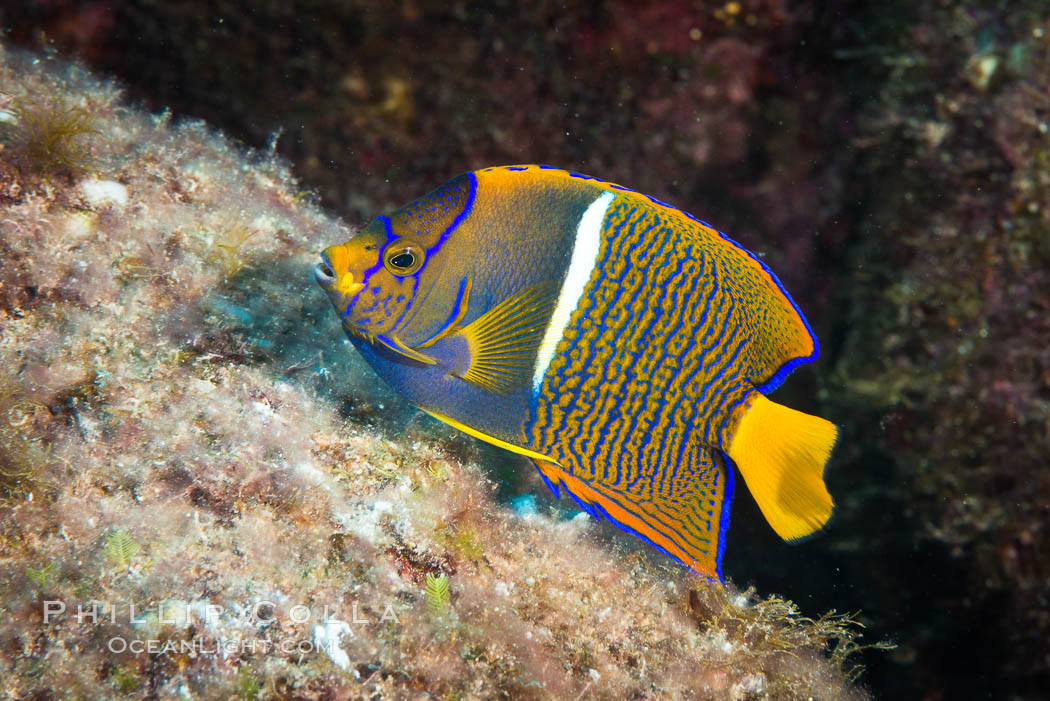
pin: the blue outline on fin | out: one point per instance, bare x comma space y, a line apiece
588, 508
787, 368
778, 377
723, 523
639, 536
596, 508
550, 485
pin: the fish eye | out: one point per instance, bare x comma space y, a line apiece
403, 259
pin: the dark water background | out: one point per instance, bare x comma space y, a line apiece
890, 161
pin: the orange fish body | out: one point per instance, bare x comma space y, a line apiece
623, 345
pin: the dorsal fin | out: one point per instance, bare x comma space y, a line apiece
502, 342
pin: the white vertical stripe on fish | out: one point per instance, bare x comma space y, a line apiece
584, 258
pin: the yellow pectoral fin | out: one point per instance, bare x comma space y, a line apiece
781, 454
490, 439
503, 341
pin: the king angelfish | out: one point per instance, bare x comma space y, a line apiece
624, 346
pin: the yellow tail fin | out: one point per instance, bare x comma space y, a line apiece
781, 453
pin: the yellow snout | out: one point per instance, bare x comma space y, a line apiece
334, 273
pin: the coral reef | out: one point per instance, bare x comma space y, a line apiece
205, 495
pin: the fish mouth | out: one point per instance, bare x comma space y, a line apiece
344, 285
324, 275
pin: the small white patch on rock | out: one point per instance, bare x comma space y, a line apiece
580, 522
365, 523
327, 638
310, 472
79, 226
263, 408
104, 193
749, 687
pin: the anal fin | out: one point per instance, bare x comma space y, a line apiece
549, 473
686, 519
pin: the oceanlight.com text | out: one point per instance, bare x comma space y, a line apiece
118, 645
